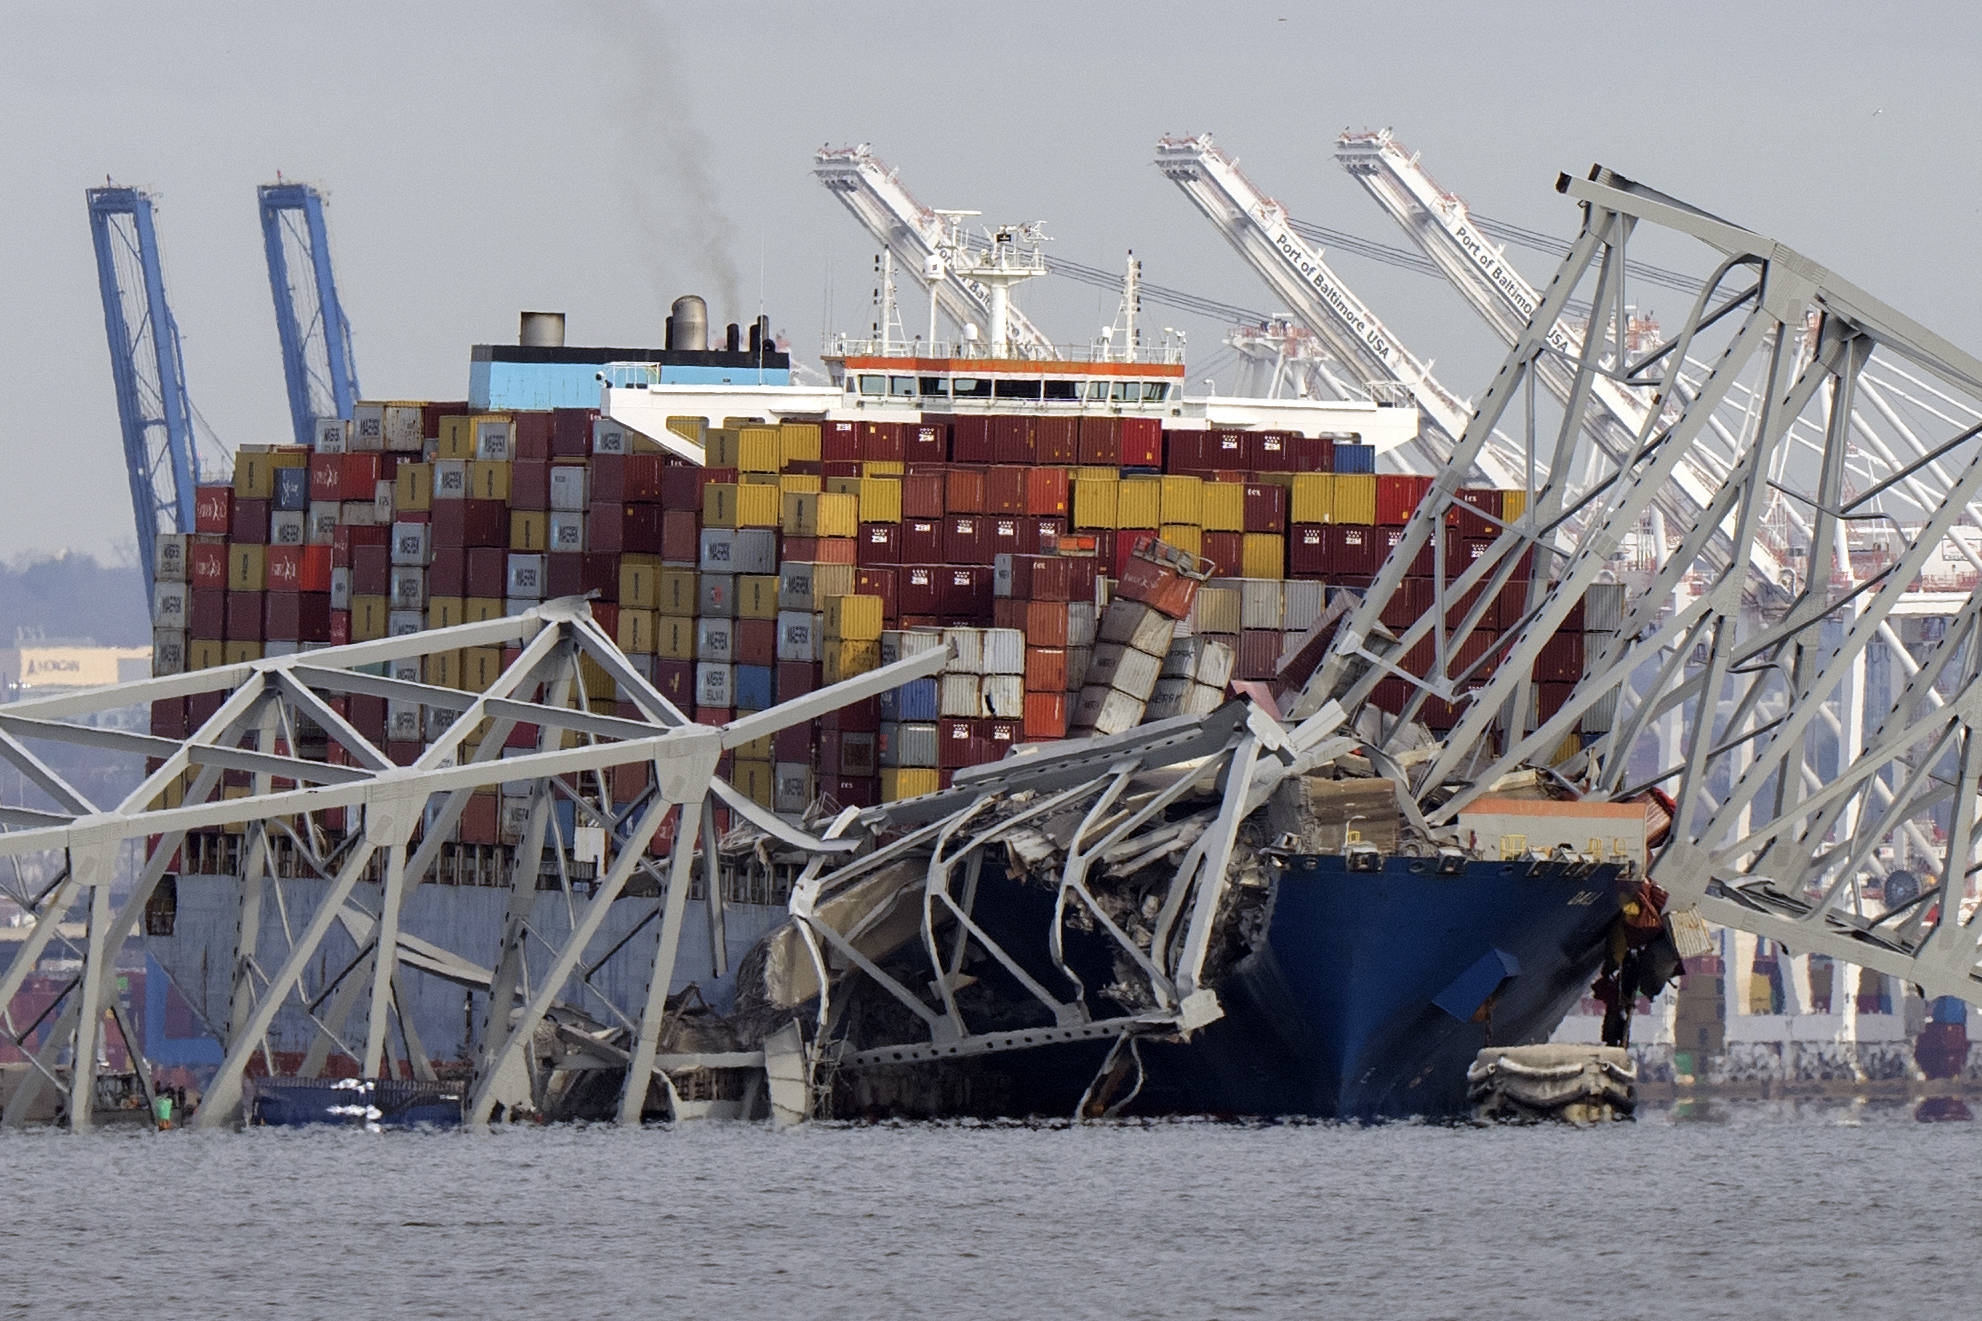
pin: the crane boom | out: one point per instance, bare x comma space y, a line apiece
916, 234
147, 367
1479, 269
1262, 232
317, 363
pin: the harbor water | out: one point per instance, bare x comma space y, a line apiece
1749, 1209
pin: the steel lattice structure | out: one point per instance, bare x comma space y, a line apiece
1775, 827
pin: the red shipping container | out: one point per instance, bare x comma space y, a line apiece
206, 613
879, 581
1183, 451
1157, 585
1310, 453
298, 616
1056, 439
1268, 452
646, 476
880, 543
1002, 531
855, 790
169, 719
881, 442
206, 563
359, 474
1000, 736
340, 630
1008, 612
839, 441
1142, 442
1045, 715
471, 523
1011, 438
326, 477
371, 571
1046, 492
864, 715
1034, 533
250, 523
1046, 669
1005, 490
1354, 550
681, 536
681, 487
970, 439
964, 539
675, 680
488, 572
1560, 659
966, 592
926, 442
281, 567
1101, 442
756, 641
1226, 450
833, 550
607, 616
1259, 654
794, 742
1083, 571
1473, 512
1052, 578
963, 490
244, 616
830, 468
447, 572
1397, 497
213, 509
1046, 624
569, 429
530, 484
1307, 551
919, 591
605, 528
1266, 508
607, 484
959, 743
922, 495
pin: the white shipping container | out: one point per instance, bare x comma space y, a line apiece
1303, 602
642, 663
715, 595
1262, 604
967, 650
340, 589
1105, 711
755, 550
715, 684
1001, 575
439, 720
609, 437
409, 589
410, 544
1214, 664
402, 721
320, 523
1201, 700
1004, 651
399, 623
1004, 696
168, 559
358, 513
383, 496
402, 428
330, 435
792, 789
1135, 673
960, 696
1601, 715
567, 531
367, 431
568, 487
916, 744
450, 479
715, 640
526, 576
1216, 610
902, 643
280, 647
798, 635
805, 586
1080, 623
1077, 659
168, 651
1167, 698
170, 603
718, 550
495, 440
406, 669
1603, 607
512, 606
1134, 624
285, 527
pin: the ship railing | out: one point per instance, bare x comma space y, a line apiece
847, 346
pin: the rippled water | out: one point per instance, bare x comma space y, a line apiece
1758, 1210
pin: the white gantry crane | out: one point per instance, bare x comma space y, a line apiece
1263, 233
931, 244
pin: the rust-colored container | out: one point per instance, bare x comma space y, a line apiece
1267, 452
964, 490
1002, 534
1473, 512
1036, 533
879, 543
919, 591
1142, 442
881, 442
970, 439
922, 540
1158, 585
213, 509
965, 540
1056, 440
1266, 508
1046, 669
1353, 549
839, 441
922, 495
1259, 651
1045, 715
880, 580
1226, 552
1004, 489
1183, 451
1101, 442
1046, 624
926, 441
1397, 497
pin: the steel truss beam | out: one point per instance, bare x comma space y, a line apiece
1781, 806
398, 818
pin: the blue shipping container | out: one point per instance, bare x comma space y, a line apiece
753, 688
1355, 458
292, 489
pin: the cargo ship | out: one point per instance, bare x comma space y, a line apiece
747, 538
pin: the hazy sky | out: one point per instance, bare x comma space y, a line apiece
599, 158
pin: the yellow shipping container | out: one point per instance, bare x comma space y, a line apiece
757, 596
752, 779
444, 668
1184, 536
723, 447
599, 685
481, 609
880, 500
1140, 504
205, 653
529, 529
1224, 507
1310, 499
368, 617
413, 487
853, 618
1355, 498
636, 630
1098, 474
899, 782
883, 468
488, 479
1263, 555
760, 479
798, 442
457, 436
801, 513
843, 485
757, 749
757, 505
1095, 502
693, 429
674, 637
639, 582
846, 658
677, 592
446, 611
1183, 500
719, 504
247, 567
254, 473
757, 449
1513, 504
479, 667
804, 482
839, 514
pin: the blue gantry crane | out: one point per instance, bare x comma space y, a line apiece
316, 339
152, 408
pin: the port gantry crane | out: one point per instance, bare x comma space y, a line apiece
1753, 843
161, 458
317, 363
930, 244
1263, 233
